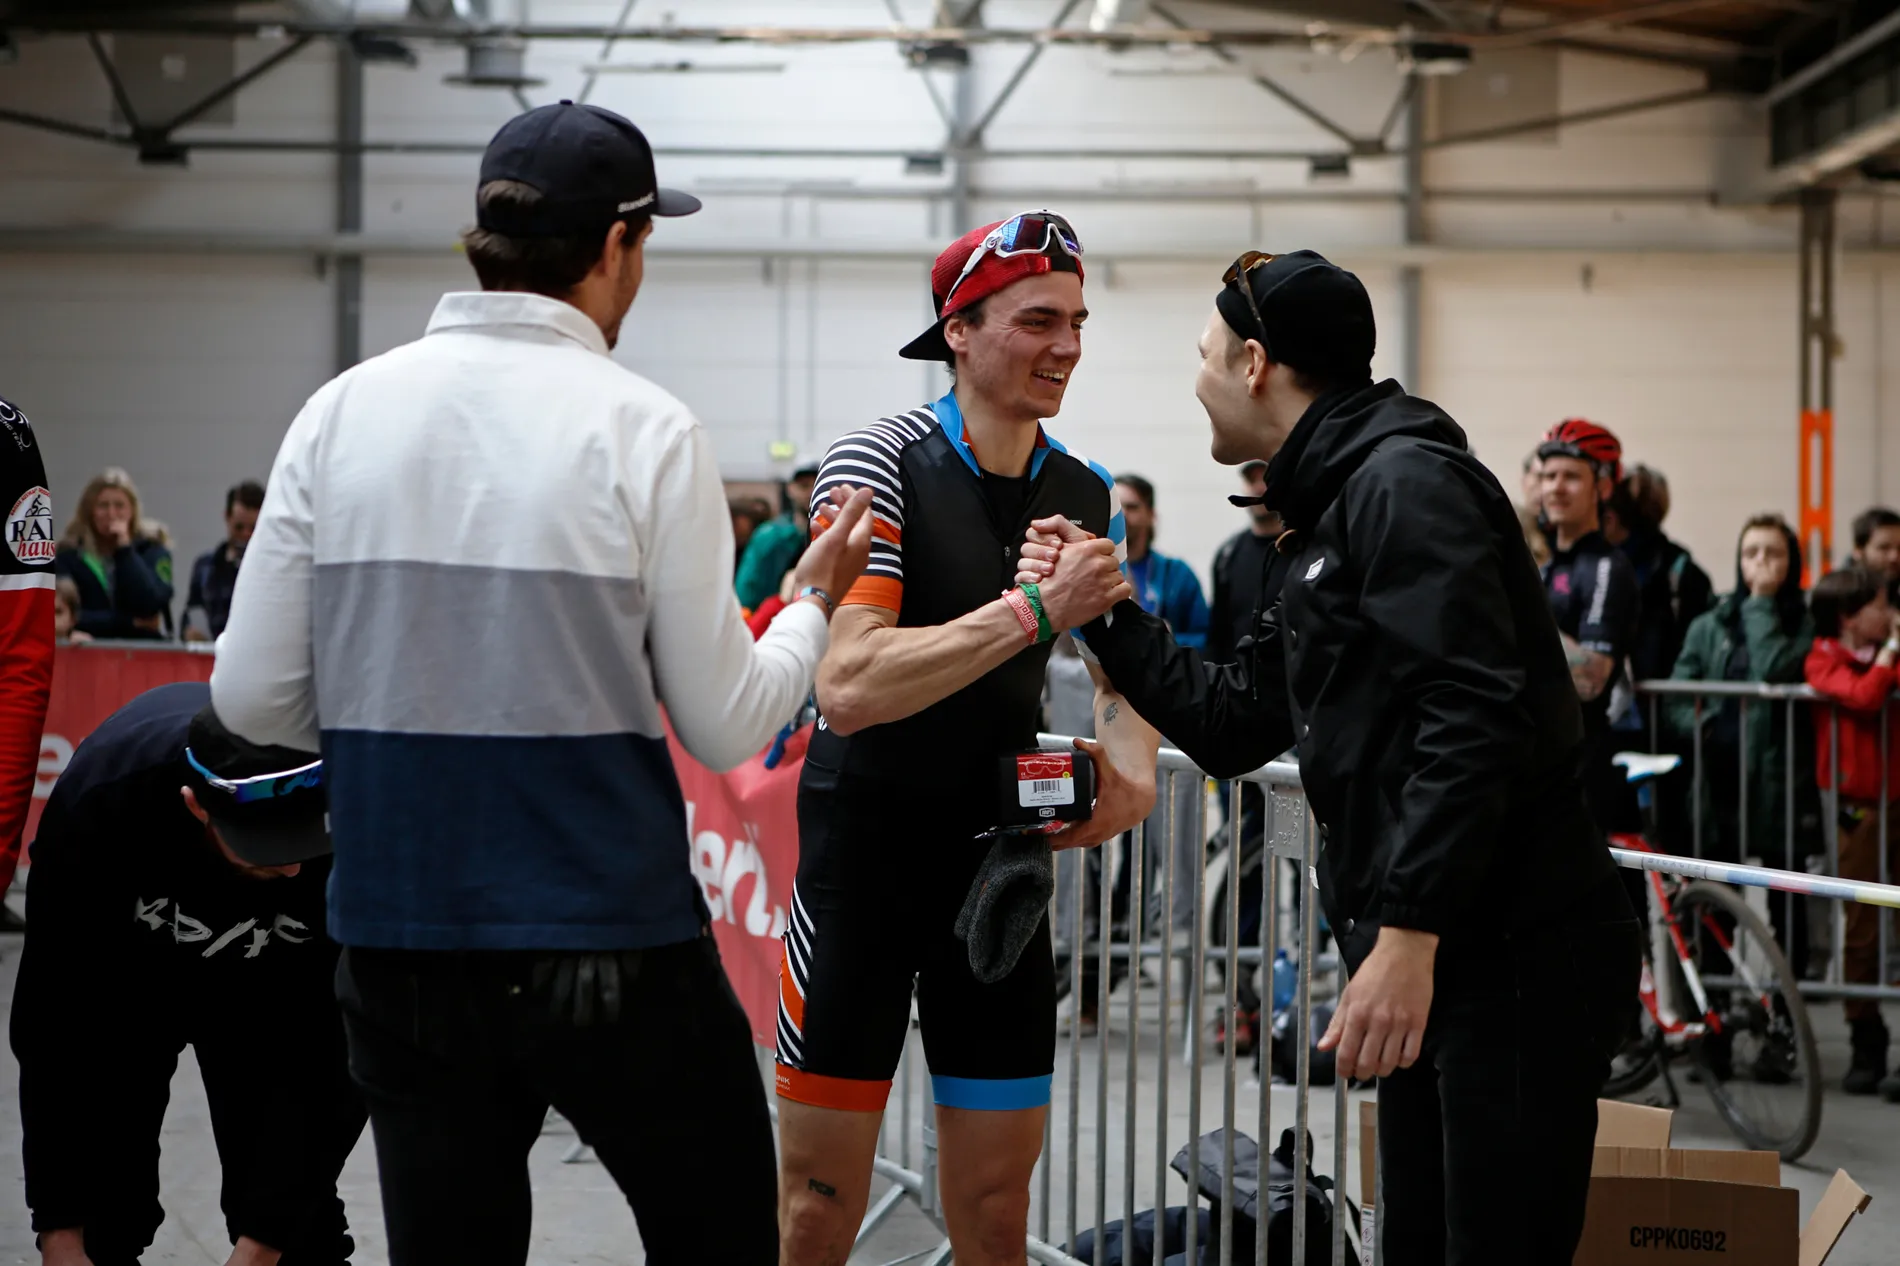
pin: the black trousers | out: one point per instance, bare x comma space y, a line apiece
1485, 1143
284, 1118
646, 1052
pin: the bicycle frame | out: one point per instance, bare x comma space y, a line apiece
1664, 922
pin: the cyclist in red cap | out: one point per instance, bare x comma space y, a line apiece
1594, 595
931, 683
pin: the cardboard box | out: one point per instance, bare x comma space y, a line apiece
1652, 1204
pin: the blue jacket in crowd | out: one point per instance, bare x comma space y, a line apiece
1167, 587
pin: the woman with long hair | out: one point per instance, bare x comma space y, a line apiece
1761, 632
120, 561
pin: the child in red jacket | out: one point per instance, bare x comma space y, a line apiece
1856, 648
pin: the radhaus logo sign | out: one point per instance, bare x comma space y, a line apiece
29, 528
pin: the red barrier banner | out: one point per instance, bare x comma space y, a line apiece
743, 829
90, 683
742, 826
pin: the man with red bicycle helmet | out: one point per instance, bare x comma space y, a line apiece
1585, 441
1594, 596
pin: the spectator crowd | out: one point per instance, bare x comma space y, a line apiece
115, 570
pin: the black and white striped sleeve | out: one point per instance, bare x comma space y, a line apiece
872, 458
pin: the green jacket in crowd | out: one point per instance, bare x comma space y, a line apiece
773, 550
1774, 655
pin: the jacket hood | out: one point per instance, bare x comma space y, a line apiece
1334, 438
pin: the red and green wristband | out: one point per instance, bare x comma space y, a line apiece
1026, 601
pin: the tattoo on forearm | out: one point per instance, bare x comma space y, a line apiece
824, 1189
1109, 713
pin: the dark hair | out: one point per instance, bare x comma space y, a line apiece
1649, 492
1840, 595
1143, 489
550, 266
249, 494
1867, 522
1790, 603
973, 316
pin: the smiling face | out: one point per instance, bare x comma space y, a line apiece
1019, 359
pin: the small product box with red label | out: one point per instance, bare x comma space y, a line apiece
1044, 789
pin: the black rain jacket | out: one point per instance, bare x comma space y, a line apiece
1415, 665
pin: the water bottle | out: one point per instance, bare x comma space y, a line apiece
1285, 981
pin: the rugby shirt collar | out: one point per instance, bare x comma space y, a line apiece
494, 311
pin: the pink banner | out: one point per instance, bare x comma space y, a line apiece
90, 683
743, 827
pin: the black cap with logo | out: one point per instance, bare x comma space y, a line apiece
590, 165
1317, 316
267, 804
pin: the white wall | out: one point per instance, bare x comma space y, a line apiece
187, 367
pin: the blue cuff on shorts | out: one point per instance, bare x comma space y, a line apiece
1009, 1094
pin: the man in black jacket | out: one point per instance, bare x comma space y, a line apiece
1416, 666
177, 899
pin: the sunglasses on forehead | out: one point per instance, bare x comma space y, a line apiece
1237, 272
1032, 233
262, 786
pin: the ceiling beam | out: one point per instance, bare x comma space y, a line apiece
1597, 115
1273, 87
180, 24
1615, 19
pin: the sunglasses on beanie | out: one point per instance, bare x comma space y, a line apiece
1032, 233
1239, 271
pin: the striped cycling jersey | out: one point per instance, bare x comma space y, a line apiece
940, 551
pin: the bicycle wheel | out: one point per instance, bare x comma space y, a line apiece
1763, 1071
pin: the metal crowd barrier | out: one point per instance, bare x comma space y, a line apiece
1123, 1107
1137, 1076
1797, 771
1087, 1178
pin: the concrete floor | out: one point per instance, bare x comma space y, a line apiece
582, 1219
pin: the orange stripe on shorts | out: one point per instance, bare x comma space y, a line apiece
846, 1094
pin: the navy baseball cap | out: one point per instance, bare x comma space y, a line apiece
590, 165
267, 803
1317, 316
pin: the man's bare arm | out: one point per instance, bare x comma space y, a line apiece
876, 672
